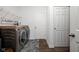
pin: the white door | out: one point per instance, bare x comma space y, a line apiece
74, 28
61, 26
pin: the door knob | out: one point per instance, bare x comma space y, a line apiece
72, 35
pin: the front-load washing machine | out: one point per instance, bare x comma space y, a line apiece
23, 37
14, 38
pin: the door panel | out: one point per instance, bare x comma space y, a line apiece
61, 26
74, 28
57, 38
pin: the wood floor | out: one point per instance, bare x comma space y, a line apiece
43, 47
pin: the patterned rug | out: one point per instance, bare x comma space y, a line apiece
31, 46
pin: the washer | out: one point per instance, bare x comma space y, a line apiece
24, 34
15, 38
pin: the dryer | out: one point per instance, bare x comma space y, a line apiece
23, 37
14, 37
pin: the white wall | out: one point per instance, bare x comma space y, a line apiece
36, 18
10, 11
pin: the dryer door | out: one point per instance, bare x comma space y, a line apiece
23, 37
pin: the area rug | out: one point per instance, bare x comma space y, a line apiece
31, 46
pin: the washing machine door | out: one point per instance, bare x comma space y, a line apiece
27, 32
23, 37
